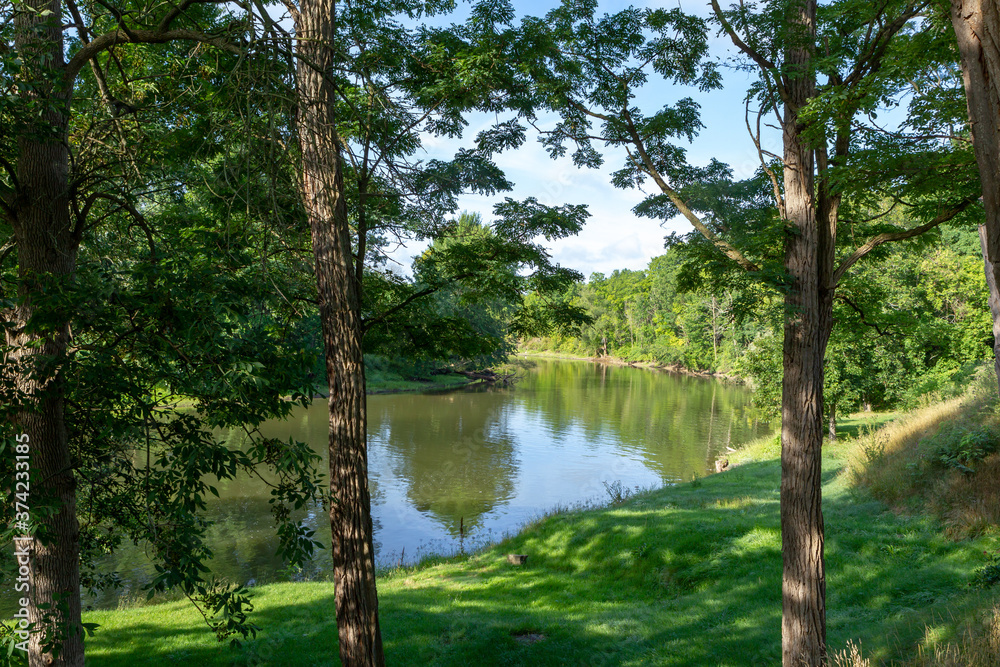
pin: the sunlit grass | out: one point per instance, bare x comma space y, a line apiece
686, 575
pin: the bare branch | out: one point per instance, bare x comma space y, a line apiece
779, 200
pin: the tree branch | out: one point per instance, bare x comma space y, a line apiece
120, 36
172, 15
861, 314
765, 65
779, 200
648, 166
384, 315
898, 236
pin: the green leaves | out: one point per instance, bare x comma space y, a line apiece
524, 220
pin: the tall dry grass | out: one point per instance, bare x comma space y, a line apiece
978, 647
882, 460
899, 464
850, 657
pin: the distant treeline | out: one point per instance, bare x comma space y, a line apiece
914, 324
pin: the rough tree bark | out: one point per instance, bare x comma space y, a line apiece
46, 257
991, 269
808, 320
340, 312
810, 211
977, 27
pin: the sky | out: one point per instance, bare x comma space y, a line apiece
613, 238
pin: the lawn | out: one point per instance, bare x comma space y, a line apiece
686, 575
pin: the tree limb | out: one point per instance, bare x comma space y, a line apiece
779, 200
120, 36
180, 9
648, 166
384, 315
898, 236
861, 314
765, 65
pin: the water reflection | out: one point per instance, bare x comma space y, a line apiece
450, 471
455, 453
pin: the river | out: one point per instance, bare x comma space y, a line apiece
452, 471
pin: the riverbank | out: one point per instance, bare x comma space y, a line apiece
617, 361
399, 384
685, 575
396, 376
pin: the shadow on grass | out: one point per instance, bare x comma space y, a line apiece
689, 575
856, 424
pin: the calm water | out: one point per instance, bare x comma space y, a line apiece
451, 471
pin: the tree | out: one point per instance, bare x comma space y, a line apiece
977, 29
45, 199
365, 88
821, 73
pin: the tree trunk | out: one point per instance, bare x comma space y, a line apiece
977, 27
340, 312
832, 433
992, 270
808, 320
46, 258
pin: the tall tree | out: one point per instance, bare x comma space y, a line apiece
322, 187
821, 72
366, 86
977, 28
54, 199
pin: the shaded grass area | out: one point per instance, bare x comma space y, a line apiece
687, 575
388, 383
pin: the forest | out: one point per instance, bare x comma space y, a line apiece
903, 335
200, 202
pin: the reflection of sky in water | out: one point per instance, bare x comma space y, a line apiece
491, 460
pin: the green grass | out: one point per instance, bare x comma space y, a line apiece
688, 575
387, 383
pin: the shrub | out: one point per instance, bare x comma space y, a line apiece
961, 447
988, 575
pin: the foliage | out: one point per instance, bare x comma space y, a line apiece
184, 312
902, 335
960, 447
988, 575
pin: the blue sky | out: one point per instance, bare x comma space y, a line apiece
614, 238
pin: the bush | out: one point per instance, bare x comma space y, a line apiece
989, 575
961, 447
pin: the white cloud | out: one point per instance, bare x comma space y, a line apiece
613, 238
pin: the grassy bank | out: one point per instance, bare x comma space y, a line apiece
390, 376
686, 575
394, 384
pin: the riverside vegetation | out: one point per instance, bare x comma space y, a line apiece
184, 188
684, 575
